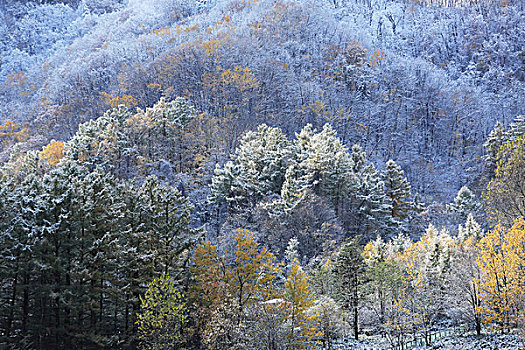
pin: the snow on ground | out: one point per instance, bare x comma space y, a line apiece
472, 342
467, 342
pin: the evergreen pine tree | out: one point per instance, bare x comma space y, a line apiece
397, 190
167, 121
257, 170
56, 251
263, 159
99, 142
471, 229
294, 188
349, 272
368, 209
324, 162
465, 203
133, 266
494, 142
101, 211
155, 238
165, 216
225, 187
23, 210
517, 127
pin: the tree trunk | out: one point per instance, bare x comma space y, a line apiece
356, 328
25, 305
12, 307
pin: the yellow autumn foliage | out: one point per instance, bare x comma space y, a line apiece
240, 77
53, 152
11, 132
505, 196
115, 101
502, 263
302, 323
226, 289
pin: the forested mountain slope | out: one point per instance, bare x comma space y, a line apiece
421, 84
262, 174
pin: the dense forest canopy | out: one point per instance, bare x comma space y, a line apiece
421, 83
261, 174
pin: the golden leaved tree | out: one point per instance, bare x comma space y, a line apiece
502, 263
301, 322
505, 195
428, 261
53, 152
11, 133
228, 286
238, 304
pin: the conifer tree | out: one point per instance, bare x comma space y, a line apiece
517, 127
22, 214
134, 265
166, 122
101, 211
257, 169
368, 209
170, 115
165, 216
470, 229
291, 254
293, 191
465, 203
56, 250
6, 269
322, 162
263, 157
225, 187
397, 190
349, 272
78, 244
17, 169
96, 142
492, 145
103, 142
